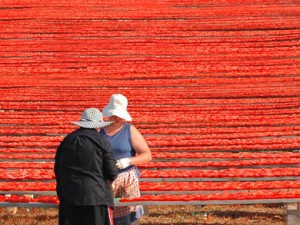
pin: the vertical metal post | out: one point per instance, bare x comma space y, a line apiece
293, 214
146, 210
137, 222
12, 210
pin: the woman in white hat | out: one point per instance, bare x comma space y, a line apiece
130, 149
84, 169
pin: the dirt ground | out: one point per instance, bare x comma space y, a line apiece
270, 214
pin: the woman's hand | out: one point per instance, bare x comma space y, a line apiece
123, 163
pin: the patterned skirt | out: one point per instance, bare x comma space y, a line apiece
127, 186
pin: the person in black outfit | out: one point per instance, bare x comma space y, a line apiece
85, 168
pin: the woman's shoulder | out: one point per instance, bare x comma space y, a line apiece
134, 131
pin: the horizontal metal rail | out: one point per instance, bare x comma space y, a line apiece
148, 203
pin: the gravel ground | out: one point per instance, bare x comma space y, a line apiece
270, 214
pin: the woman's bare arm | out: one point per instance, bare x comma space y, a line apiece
140, 146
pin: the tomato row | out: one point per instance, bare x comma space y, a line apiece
292, 143
161, 140
268, 194
223, 173
167, 186
26, 199
192, 197
28, 153
169, 165
186, 145
171, 94
46, 174
182, 164
27, 156
225, 132
220, 186
224, 155
253, 195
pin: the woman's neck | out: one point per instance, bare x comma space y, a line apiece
114, 128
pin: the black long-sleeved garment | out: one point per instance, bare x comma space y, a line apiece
84, 167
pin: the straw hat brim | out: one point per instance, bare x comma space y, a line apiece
123, 114
92, 124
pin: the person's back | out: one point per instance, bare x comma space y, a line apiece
85, 168
83, 175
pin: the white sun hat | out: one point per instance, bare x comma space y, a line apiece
117, 106
92, 118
